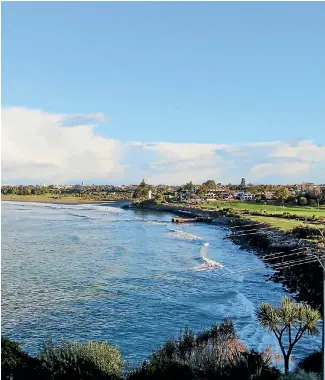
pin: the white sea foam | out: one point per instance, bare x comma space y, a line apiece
157, 223
208, 264
183, 235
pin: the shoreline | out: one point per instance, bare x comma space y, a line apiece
263, 240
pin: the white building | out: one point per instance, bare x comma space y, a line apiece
149, 194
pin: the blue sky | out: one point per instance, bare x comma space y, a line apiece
202, 73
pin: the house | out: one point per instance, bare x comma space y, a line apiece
248, 197
267, 195
228, 196
244, 196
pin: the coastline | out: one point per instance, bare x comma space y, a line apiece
264, 240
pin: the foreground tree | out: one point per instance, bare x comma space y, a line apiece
288, 322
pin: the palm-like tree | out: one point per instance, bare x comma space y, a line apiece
289, 322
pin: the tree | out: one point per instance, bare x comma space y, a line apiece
289, 320
282, 194
317, 193
243, 184
142, 190
303, 201
203, 190
189, 186
210, 184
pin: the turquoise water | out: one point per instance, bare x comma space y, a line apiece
130, 277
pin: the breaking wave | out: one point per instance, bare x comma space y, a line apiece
183, 235
208, 264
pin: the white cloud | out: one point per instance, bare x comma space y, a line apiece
305, 150
39, 147
284, 169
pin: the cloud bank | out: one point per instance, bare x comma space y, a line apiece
39, 147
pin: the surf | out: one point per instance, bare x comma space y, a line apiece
208, 264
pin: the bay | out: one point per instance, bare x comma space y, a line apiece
98, 272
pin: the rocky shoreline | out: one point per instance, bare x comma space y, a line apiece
305, 281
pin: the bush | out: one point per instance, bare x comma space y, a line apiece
17, 364
162, 370
303, 232
303, 201
253, 362
81, 361
312, 362
302, 375
211, 354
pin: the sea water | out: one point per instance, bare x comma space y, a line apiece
98, 272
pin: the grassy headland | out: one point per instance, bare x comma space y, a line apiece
253, 206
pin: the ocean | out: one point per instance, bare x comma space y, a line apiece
131, 277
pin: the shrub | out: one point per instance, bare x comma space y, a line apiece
312, 362
17, 364
215, 353
303, 201
303, 232
91, 360
302, 375
162, 370
255, 363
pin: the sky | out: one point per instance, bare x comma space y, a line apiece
108, 92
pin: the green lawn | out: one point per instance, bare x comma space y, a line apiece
237, 205
282, 224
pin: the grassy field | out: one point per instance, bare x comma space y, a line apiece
237, 205
282, 224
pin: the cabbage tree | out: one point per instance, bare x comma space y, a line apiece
288, 322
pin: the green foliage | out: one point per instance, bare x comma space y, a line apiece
210, 184
289, 320
162, 370
302, 375
243, 184
203, 190
312, 362
189, 186
142, 190
253, 365
211, 354
16, 364
303, 201
81, 361
282, 194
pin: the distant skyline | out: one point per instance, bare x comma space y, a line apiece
171, 92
